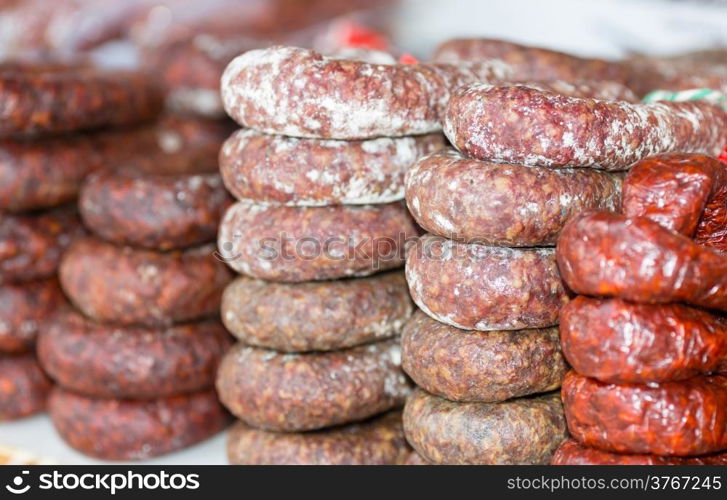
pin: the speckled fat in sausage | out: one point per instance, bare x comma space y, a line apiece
499, 204
478, 287
295, 244
472, 366
134, 286
300, 93
316, 316
126, 429
522, 125
299, 392
103, 360
379, 441
308, 172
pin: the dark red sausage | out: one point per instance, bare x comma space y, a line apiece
301, 93
135, 286
531, 63
530, 127
24, 387
684, 193
164, 208
125, 429
24, 309
48, 172
673, 418
102, 360
623, 342
573, 453
607, 254
63, 101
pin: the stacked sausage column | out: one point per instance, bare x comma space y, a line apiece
647, 340
321, 200
486, 277
135, 361
48, 144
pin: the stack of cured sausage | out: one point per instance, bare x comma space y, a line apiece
648, 346
49, 114
484, 348
320, 177
135, 362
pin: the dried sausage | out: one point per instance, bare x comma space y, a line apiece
123, 429
133, 286
24, 309
478, 287
48, 172
316, 316
485, 367
606, 254
526, 126
295, 244
190, 69
285, 170
102, 360
58, 101
573, 453
523, 431
684, 193
24, 387
623, 342
379, 441
531, 63
299, 392
526, 206
683, 418
31, 246
300, 93
164, 207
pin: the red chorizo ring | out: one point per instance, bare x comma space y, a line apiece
684, 193
53, 102
531, 63
310, 172
682, 418
525, 206
478, 287
622, 342
606, 254
523, 125
573, 453
300, 93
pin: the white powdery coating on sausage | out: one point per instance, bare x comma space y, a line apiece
387, 158
468, 267
658, 123
280, 90
424, 175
